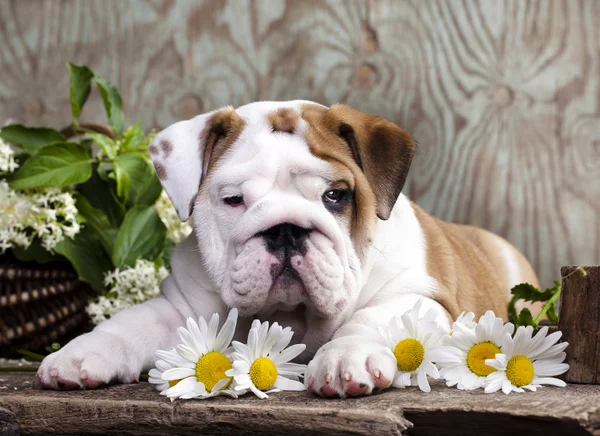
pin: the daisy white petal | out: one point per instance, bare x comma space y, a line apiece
423, 383
283, 341
211, 336
260, 394
184, 386
173, 358
227, 331
187, 353
549, 381
177, 373
289, 353
285, 384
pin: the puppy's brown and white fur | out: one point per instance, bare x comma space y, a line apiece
298, 218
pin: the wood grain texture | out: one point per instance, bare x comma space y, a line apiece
503, 96
580, 323
140, 410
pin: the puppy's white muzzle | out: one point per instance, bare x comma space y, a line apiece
317, 267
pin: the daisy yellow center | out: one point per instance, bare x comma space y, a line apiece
211, 368
173, 382
477, 355
519, 370
409, 354
263, 373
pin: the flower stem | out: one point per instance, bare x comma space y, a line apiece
547, 307
31, 355
555, 296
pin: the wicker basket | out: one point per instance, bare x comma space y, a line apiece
39, 305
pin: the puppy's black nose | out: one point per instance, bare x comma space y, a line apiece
287, 236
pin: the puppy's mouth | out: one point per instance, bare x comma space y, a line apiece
283, 272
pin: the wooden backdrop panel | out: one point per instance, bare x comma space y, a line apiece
503, 96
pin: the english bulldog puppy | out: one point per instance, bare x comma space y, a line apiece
298, 218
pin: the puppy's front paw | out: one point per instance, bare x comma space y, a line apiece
350, 366
87, 362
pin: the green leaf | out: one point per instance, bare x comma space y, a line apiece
112, 104
35, 252
80, 86
137, 183
525, 318
101, 194
142, 235
134, 139
107, 145
528, 292
87, 257
55, 165
97, 221
30, 138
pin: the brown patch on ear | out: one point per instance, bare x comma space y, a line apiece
161, 172
326, 144
284, 120
166, 147
380, 148
153, 149
220, 132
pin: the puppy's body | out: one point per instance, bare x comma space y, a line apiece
299, 219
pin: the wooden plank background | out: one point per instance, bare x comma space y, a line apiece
503, 96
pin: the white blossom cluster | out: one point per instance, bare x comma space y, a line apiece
7, 160
48, 213
127, 287
176, 230
15, 213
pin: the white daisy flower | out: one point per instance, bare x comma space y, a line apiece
264, 363
417, 345
200, 363
527, 362
475, 345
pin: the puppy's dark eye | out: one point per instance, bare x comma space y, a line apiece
236, 200
334, 196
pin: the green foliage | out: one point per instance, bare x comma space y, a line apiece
106, 144
141, 236
101, 194
30, 139
80, 87
134, 139
112, 104
137, 183
530, 293
55, 165
35, 252
87, 257
98, 224
115, 185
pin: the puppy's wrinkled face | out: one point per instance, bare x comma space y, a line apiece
273, 220
286, 204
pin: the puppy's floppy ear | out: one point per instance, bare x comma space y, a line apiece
184, 152
381, 149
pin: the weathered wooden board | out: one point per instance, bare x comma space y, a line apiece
580, 323
503, 96
139, 410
